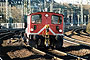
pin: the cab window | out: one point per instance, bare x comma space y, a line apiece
36, 18
56, 19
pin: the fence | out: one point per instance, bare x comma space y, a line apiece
12, 25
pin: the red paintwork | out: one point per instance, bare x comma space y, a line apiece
45, 21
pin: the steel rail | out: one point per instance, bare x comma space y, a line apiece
42, 52
77, 41
66, 54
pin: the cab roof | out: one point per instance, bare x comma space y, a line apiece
45, 12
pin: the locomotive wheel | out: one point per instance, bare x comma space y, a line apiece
36, 39
41, 41
52, 40
59, 42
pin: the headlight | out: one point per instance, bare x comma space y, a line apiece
32, 29
46, 15
60, 30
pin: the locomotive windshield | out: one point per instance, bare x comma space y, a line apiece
56, 19
36, 18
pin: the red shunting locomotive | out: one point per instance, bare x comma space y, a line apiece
45, 29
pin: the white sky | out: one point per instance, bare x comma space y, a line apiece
72, 1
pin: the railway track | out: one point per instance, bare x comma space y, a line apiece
78, 36
83, 43
70, 42
77, 41
85, 34
44, 54
35, 51
78, 49
50, 54
5, 35
60, 54
64, 55
81, 32
55, 54
8, 33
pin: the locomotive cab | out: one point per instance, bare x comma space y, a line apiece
45, 28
